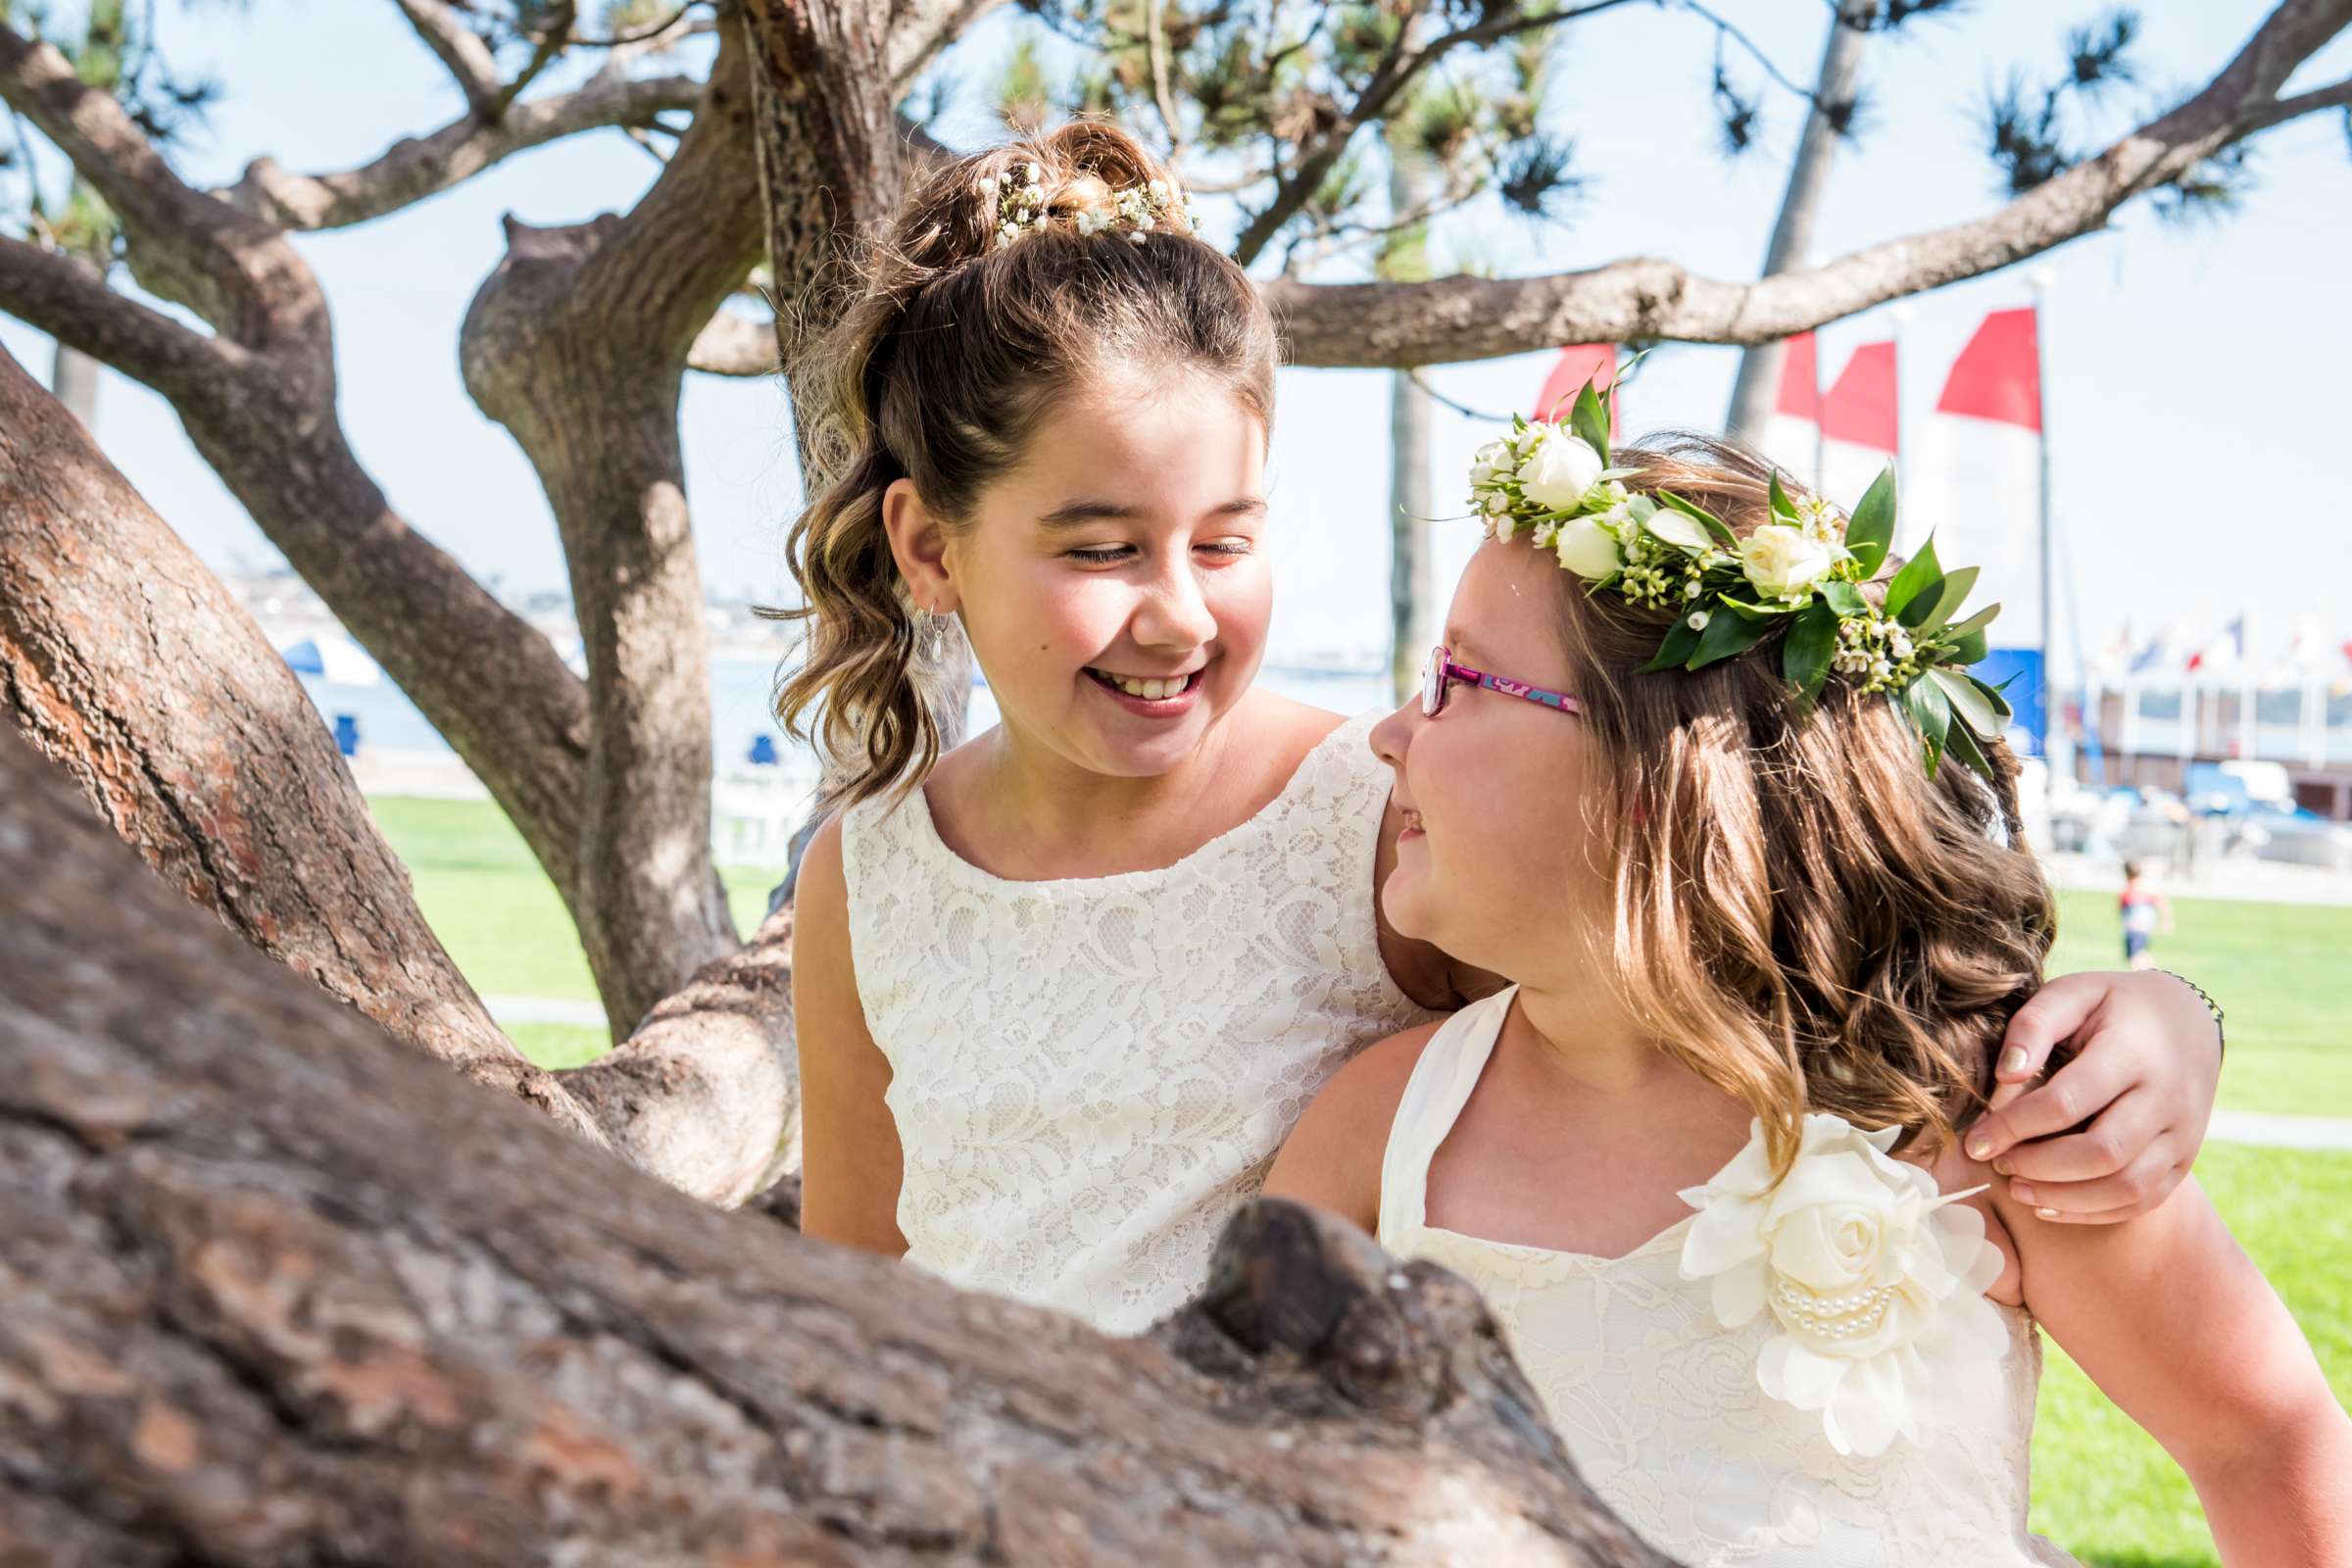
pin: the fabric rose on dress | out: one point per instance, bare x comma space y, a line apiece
1558, 471
1876, 1280
1782, 560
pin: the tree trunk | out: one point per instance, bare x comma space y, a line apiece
578, 345
279, 1293
1412, 573
124, 659
1800, 205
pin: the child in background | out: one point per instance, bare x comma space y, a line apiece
2144, 911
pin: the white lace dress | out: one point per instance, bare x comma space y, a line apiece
1087, 1076
1662, 1409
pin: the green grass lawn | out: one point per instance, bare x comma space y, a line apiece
2282, 971
2101, 1487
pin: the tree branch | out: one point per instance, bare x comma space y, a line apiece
577, 344
68, 300
415, 167
460, 48
734, 344
1399, 324
921, 29
1396, 72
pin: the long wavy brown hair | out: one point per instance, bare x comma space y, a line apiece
941, 371
1803, 914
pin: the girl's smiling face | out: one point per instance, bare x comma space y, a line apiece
1113, 582
1496, 865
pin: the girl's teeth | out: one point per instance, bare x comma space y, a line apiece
1150, 690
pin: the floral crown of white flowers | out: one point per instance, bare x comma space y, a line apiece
1021, 208
1803, 573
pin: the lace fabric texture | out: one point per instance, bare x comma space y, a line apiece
1087, 1076
1660, 1405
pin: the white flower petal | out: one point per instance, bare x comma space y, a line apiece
1740, 1293
1869, 1408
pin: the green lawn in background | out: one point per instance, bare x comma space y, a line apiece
2101, 1487
2282, 971
499, 916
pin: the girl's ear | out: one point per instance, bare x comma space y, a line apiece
918, 544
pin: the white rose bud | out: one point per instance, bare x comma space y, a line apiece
1782, 560
1487, 462
1585, 548
1700, 619
1558, 473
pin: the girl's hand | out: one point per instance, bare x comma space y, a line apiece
2147, 1062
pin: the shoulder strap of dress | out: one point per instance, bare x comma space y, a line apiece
1433, 1100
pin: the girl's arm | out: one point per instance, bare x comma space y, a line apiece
850, 1164
2176, 1324
2147, 1062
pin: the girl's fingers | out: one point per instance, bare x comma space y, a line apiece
2107, 1202
2051, 1015
2125, 1133
2084, 1089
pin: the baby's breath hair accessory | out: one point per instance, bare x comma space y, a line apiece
1136, 210
1802, 573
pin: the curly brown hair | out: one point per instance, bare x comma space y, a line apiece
1808, 919
939, 373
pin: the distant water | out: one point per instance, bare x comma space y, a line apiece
741, 688
741, 712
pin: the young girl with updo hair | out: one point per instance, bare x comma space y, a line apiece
1060, 992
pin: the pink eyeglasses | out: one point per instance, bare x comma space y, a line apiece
1443, 672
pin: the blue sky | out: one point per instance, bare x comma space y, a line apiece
2196, 386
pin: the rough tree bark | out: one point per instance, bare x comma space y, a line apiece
123, 660
578, 345
281, 1293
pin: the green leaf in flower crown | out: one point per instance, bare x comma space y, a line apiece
1919, 575
1993, 699
1590, 420
1727, 635
1929, 709
1957, 586
1674, 651
1967, 702
1811, 644
1715, 526
1783, 510
1972, 626
1842, 597
1969, 648
1963, 745
1869, 531
1641, 508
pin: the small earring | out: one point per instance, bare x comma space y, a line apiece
934, 633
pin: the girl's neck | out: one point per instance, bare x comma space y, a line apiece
1019, 809
1597, 1051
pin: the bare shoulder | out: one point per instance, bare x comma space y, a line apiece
1333, 1157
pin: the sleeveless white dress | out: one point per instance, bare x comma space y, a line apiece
1089, 1075
1662, 1409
